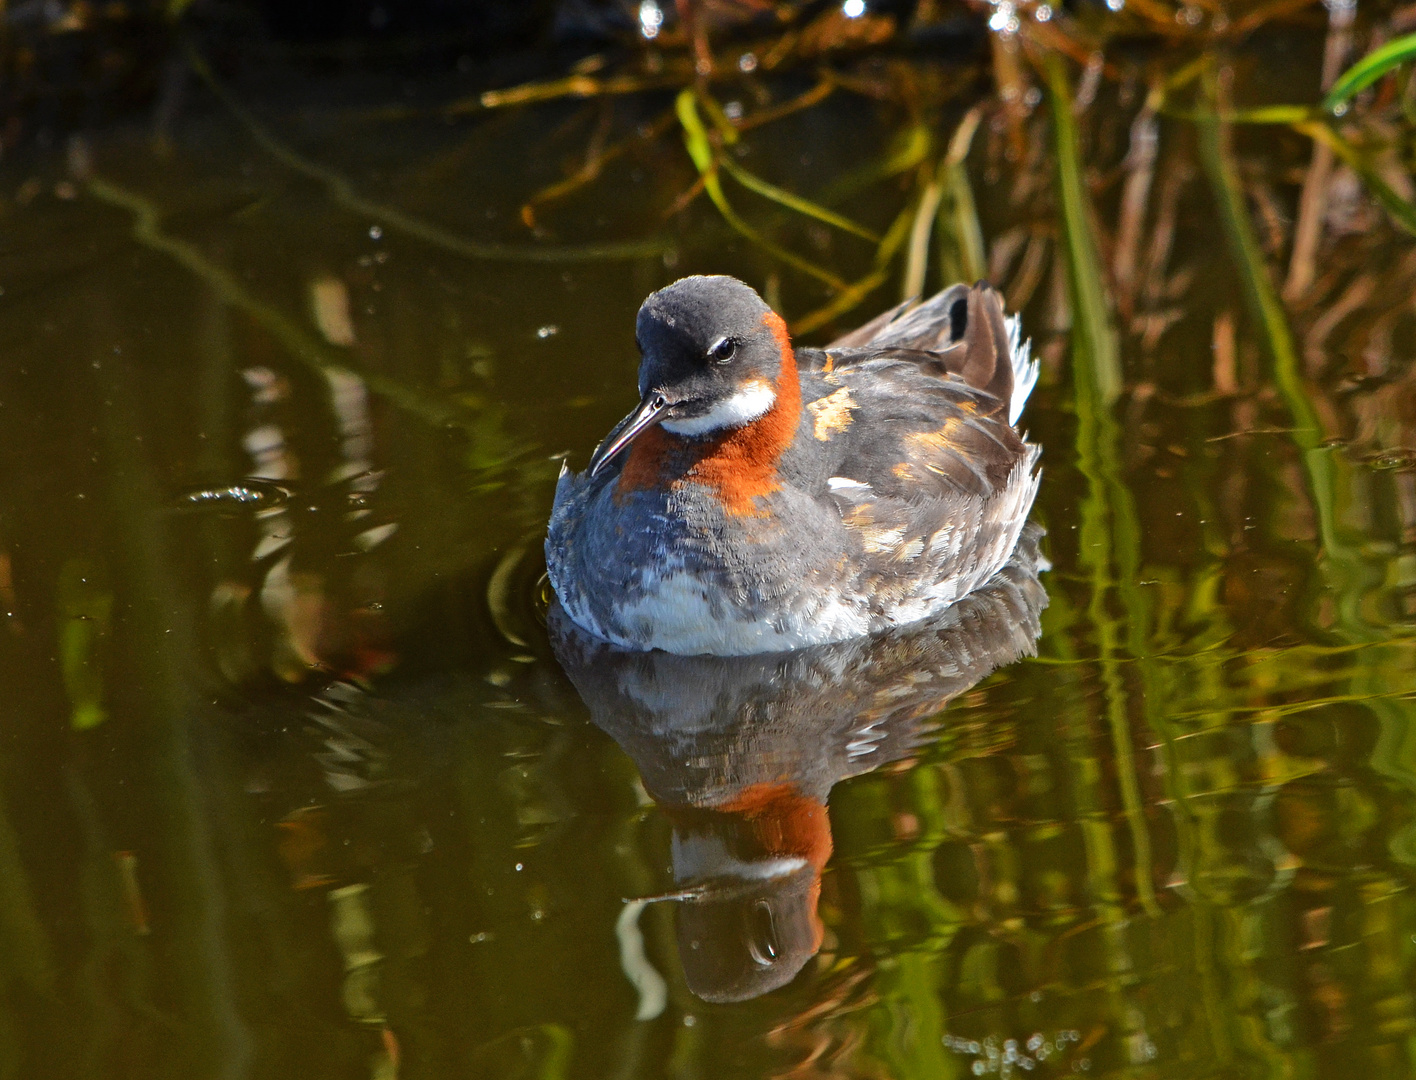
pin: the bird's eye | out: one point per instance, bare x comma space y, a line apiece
723, 350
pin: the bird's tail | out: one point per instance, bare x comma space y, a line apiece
1025, 368
965, 331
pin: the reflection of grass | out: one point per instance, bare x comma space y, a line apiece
1110, 534
302, 345
342, 192
1345, 565
910, 924
26, 946
1164, 661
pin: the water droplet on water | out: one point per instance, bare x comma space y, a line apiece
253, 492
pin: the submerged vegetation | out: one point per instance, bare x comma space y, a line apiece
287, 744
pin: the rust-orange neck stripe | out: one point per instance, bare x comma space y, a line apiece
739, 465
786, 822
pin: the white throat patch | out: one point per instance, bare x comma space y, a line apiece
752, 401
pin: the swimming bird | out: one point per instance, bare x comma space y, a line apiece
762, 498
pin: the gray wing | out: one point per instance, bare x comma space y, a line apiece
929, 478
962, 331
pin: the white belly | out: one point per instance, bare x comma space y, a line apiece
674, 614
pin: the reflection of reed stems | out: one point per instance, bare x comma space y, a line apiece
343, 194
1347, 572
24, 949
896, 898
300, 344
1203, 917
109, 922
1110, 532
1344, 563
630, 845
913, 1048
218, 1041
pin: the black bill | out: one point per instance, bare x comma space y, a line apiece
649, 413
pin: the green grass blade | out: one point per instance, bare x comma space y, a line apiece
794, 202
1269, 114
961, 249
1263, 114
85, 612
724, 126
1369, 69
1094, 341
917, 254
695, 135
560, 1048
907, 150
963, 219
700, 150
731, 137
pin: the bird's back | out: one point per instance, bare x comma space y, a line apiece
907, 430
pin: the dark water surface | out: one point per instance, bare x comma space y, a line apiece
291, 784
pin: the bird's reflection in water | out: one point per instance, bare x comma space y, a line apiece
742, 753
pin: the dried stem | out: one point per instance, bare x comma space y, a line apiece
1307, 231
